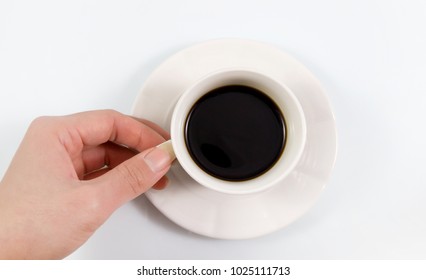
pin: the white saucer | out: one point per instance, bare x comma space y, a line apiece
207, 212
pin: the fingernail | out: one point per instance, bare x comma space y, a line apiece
167, 146
160, 157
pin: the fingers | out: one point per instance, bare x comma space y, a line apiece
156, 127
106, 155
97, 127
98, 139
81, 134
162, 183
134, 176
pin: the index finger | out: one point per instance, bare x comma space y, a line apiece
97, 127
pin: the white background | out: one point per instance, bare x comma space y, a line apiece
60, 57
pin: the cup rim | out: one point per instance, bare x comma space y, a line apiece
257, 184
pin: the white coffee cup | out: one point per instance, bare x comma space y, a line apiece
282, 96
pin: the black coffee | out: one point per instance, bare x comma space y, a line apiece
235, 133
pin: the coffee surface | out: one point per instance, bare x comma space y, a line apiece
235, 133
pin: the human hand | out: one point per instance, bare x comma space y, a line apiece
68, 176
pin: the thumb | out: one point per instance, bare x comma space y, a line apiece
137, 174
